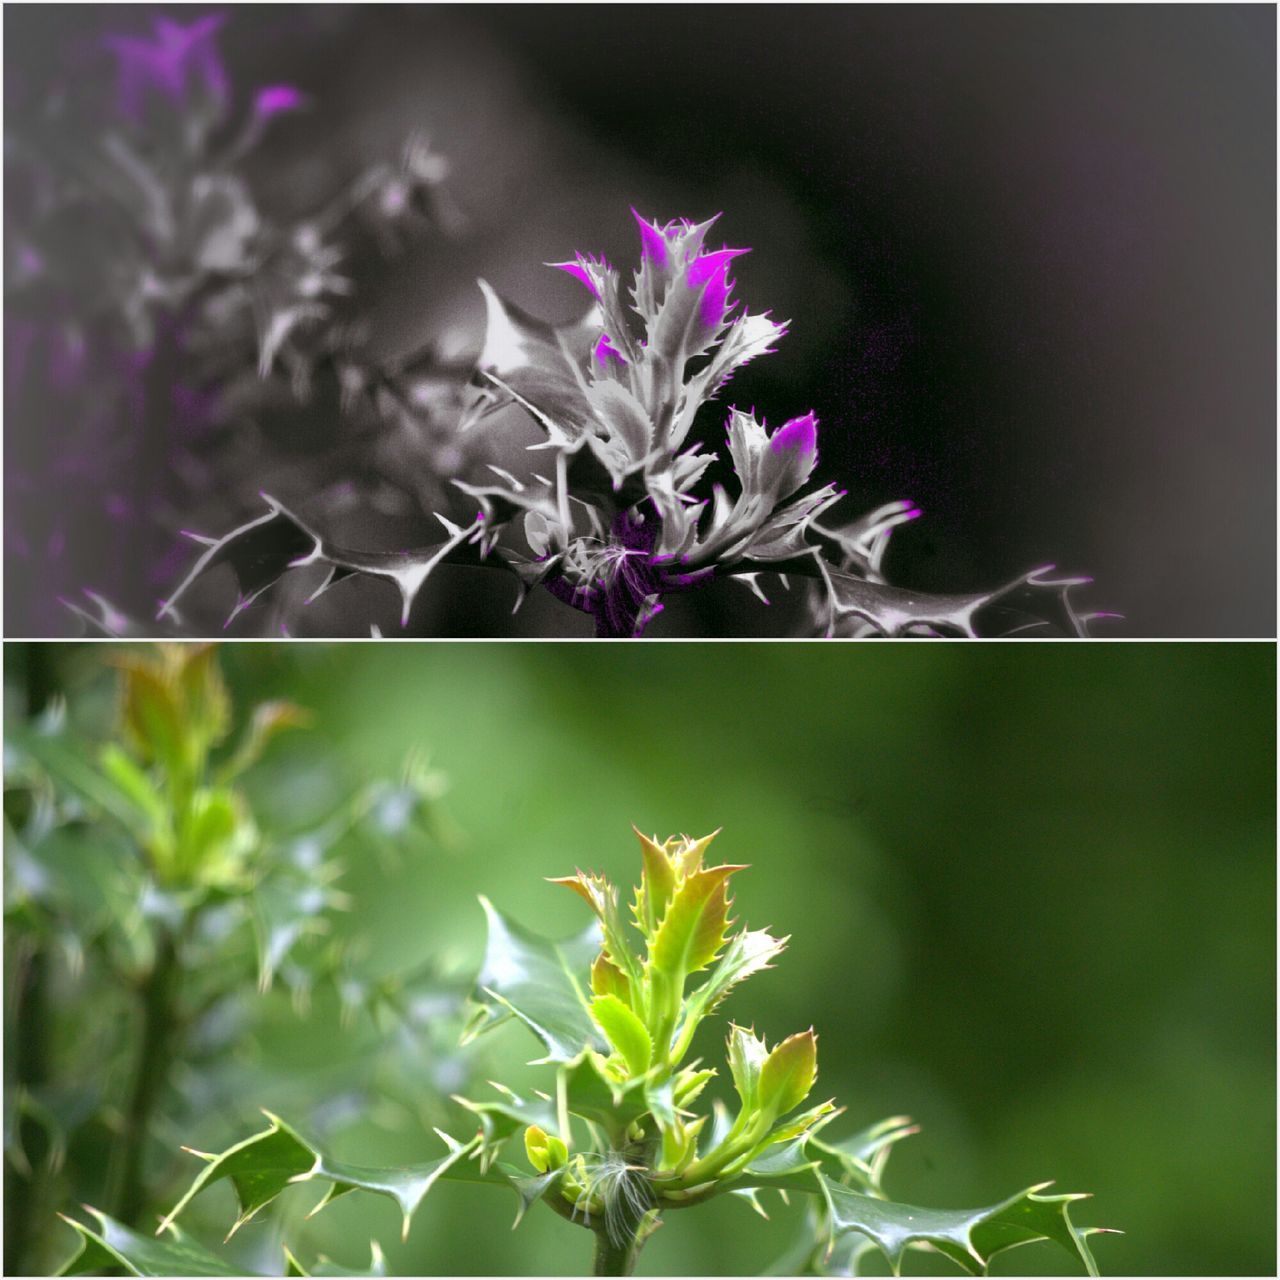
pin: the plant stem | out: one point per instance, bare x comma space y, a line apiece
28, 1022
24, 1189
155, 1056
614, 1258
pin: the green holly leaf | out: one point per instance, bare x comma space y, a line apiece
747, 1054
136, 787
608, 980
693, 927
969, 1237
861, 1158
657, 884
544, 984
327, 1267
592, 1093
748, 952
111, 1246
502, 1117
602, 898
262, 1166
788, 1073
626, 1032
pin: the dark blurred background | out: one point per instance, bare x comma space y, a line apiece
1028, 253
1030, 892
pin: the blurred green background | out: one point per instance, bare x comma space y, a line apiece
1030, 891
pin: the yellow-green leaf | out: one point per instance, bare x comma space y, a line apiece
152, 717
133, 784
545, 1150
626, 1032
747, 1054
608, 980
693, 929
788, 1073
657, 883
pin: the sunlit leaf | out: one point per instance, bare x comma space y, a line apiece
626, 1032
111, 1246
693, 929
788, 1073
262, 1166
544, 984
970, 1238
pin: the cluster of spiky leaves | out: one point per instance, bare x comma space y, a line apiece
147, 844
158, 303
612, 515
619, 1142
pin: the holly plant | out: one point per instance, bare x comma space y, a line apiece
613, 513
165, 313
621, 1138
150, 907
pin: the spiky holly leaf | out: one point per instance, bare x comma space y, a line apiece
788, 1073
601, 896
748, 952
747, 1054
693, 928
657, 884
327, 1267
111, 1246
969, 1237
262, 1166
544, 984
509, 1114
861, 1158
261, 551
592, 1093
540, 365
608, 980
1034, 601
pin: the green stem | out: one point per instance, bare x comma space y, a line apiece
26, 1188
156, 1052
614, 1258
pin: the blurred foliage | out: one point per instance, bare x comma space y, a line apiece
155, 915
1031, 891
173, 325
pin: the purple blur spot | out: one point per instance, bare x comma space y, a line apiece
579, 272
277, 98
30, 261
800, 434
653, 244
168, 63
68, 355
604, 351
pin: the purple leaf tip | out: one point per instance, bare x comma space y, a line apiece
604, 351
653, 244
578, 270
800, 434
